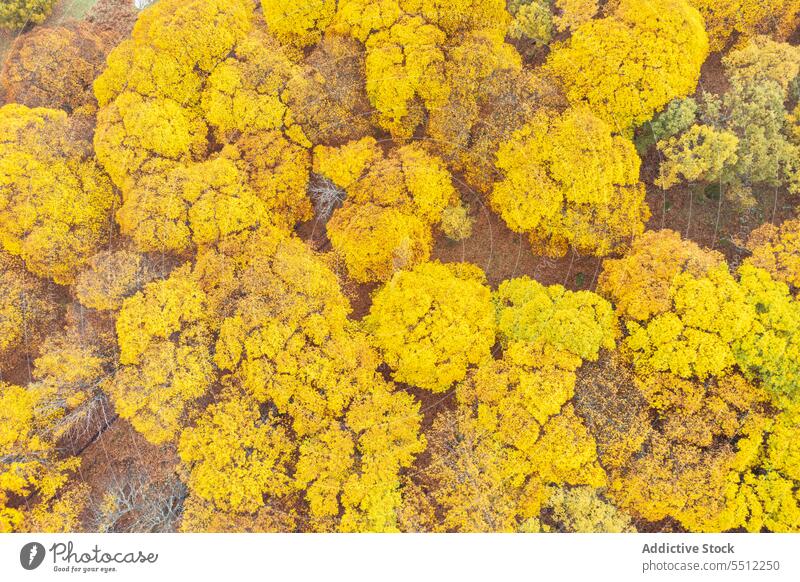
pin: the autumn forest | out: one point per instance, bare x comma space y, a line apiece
400, 266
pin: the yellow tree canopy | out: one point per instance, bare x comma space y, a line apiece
630, 64
392, 202
55, 67
188, 205
432, 323
17, 14
285, 337
328, 97
746, 18
686, 469
577, 322
54, 199
196, 78
408, 44
299, 23
110, 277
513, 436
694, 338
639, 283
777, 249
235, 456
771, 351
29, 465
686, 314
568, 181
27, 309
165, 352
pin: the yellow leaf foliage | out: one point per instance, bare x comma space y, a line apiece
405, 71
777, 249
164, 308
29, 466
293, 357
476, 480
568, 181
455, 16
566, 452
746, 18
288, 341
300, 22
771, 502
771, 350
61, 514
614, 409
54, 67
695, 338
577, 322
168, 106
173, 45
27, 309
639, 283
327, 96
234, 456
387, 425
277, 171
201, 516
489, 91
345, 165
583, 510
188, 205
515, 396
110, 277
432, 323
763, 59
688, 467
377, 241
701, 154
766, 481
407, 45
457, 223
392, 202
483, 112
630, 64
73, 368
135, 133
164, 345
513, 434
686, 314
574, 13
151, 89
245, 92
54, 199
17, 14
67, 360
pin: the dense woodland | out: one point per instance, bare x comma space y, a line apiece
401, 265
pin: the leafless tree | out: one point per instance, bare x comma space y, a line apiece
326, 196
